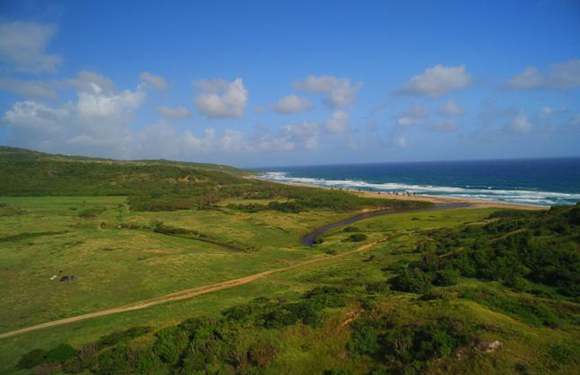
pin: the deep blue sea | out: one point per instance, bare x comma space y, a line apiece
530, 181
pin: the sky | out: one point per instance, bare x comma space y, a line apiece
281, 83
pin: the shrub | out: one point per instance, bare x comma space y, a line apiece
31, 359
365, 339
118, 336
446, 277
359, 237
262, 354
171, 342
60, 353
412, 281
351, 229
90, 213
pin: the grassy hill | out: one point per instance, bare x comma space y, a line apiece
455, 291
154, 185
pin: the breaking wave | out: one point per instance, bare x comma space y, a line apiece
543, 198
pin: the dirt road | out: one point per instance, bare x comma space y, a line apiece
181, 295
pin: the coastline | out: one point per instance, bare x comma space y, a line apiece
437, 199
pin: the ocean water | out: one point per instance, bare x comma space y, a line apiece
530, 181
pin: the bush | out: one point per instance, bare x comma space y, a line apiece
118, 336
351, 229
359, 237
90, 213
262, 354
446, 277
365, 339
412, 281
60, 353
31, 359
171, 342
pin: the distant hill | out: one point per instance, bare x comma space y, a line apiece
25, 173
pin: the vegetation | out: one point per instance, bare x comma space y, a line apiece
515, 248
478, 291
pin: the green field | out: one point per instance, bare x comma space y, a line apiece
115, 266
462, 291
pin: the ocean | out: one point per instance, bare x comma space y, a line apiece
528, 181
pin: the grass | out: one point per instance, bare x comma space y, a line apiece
105, 259
116, 266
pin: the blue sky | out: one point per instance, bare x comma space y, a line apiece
292, 83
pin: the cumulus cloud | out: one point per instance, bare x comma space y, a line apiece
292, 104
436, 81
401, 141
519, 124
338, 123
221, 99
23, 47
560, 76
451, 108
99, 123
98, 119
414, 115
29, 89
174, 112
339, 92
157, 82
90, 81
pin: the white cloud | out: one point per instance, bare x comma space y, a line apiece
174, 112
23, 46
292, 104
560, 76
338, 123
99, 104
340, 92
29, 89
305, 135
221, 99
401, 141
519, 124
97, 122
414, 115
530, 78
437, 81
452, 108
89, 82
156, 82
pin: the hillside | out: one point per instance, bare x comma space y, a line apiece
31, 173
159, 185
155, 267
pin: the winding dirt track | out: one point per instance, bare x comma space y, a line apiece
181, 295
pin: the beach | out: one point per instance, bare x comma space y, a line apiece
475, 203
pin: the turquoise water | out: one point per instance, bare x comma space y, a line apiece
531, 181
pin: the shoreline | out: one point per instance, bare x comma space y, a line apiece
436, 199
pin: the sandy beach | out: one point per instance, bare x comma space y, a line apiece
476, 203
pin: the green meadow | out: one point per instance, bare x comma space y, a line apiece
455, 291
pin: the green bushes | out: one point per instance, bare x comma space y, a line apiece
171, 342
91, 213
37, 357
515, 248
31, 359
404, 348
412, 281
118, 336
358, 237
446, 277
532, 312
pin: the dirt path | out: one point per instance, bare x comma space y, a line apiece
181, 295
